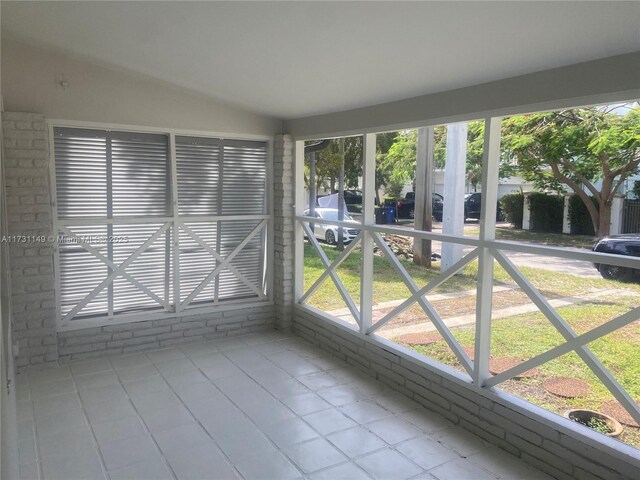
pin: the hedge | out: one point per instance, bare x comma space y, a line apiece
547, 212
579, 218
511, 206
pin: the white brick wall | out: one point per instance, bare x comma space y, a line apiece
283, 190
26, 161
560, 455
26, 157
133, 337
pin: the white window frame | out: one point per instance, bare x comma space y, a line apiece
175, 219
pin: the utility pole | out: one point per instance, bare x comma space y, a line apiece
423, 214
340, 245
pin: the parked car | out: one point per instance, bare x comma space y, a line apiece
406, 206
352, 198
329, 233
473, 206
628, 244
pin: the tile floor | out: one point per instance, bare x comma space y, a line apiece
263, 406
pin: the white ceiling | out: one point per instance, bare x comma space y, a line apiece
296, 59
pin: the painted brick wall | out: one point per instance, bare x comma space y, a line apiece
556, 453
29, 211
133, 337
283, 190
26, 163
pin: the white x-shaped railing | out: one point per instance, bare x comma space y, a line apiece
574, 342
419, 295
120, 270
117, 270
330, 271
222, 262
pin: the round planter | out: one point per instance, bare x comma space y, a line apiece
582, 416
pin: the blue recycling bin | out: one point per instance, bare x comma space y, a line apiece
390, 214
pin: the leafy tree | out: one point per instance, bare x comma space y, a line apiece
399, 163
328, 163
384, 141
590, 150
400, 160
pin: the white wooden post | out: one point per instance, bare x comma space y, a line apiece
526, 212
484, 299
368, 218
566, 221
617, 212
298, 208
454, 183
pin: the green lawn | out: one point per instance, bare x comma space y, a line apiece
526, 336
387, 285
550, 239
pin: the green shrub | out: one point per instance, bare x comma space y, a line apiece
511, 206
547, 212
579, 218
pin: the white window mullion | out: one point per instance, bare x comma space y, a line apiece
109, 225
216, 294
175, 226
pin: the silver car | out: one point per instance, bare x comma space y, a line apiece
329, 233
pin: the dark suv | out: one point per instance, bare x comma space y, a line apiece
406, 206
621, 245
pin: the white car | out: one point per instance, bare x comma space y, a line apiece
329, 233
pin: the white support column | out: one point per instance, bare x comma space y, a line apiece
566, 223
617, 212
526, 212
298, 208
454, 175
368, 218
490, 169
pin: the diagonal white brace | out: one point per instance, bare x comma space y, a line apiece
334, 276
219, 258
583, 339
115, 274
336, 263
222, 264
567, 332
426, 306
112, 265
417, 294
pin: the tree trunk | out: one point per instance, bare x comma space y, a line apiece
604, 225
594, 212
